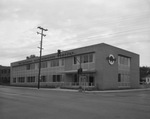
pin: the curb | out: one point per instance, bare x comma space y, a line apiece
71, 90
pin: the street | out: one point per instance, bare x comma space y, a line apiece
30, 103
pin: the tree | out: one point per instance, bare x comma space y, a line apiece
144, 71
31, 56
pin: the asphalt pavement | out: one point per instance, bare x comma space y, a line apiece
31, 103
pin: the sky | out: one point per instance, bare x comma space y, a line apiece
73, 24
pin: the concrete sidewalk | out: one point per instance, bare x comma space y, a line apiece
73, 90
104, 91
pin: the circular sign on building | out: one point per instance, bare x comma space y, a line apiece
111, 59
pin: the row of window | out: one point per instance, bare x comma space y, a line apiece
86, 58
83, 58
30, 79
4, 78
21, 79
53, 63
5, 71
57, 78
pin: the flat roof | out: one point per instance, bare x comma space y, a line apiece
67, 53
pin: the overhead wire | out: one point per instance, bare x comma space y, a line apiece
122, 20
118, 20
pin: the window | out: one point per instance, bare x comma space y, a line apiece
55, 63
124, 71
91, 57
21, 79
54, 78
4, 71
86, 58
119, 77
122, 60
81, 58
57, 78
124, 79
30, 66
76, 60
43, 78
14, 80
43, 64
62, 62
31, 79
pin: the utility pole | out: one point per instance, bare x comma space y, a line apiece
41, 42
79, 73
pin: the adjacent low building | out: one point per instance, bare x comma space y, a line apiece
103, 67
146, 79
4, 75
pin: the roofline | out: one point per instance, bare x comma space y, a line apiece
102, 44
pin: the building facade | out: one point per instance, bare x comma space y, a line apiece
4, 74
103, 67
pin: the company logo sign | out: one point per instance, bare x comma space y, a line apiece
111, 59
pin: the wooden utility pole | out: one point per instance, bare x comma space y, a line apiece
41, 42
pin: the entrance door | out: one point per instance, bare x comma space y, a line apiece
91, 80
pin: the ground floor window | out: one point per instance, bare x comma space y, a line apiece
43, 78
21, 79
14, 80
57, 78
31, 79
76, 78
124, 79
119, 77
5, 80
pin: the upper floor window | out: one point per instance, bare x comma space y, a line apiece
62, 62
43, 64
122, 60
84, 58
55, 63
76, 60
91, 57
30, 66
5, 71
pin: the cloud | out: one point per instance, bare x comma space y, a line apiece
73, 24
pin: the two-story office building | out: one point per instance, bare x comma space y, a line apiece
103, 67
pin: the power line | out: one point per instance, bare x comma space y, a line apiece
115, 34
